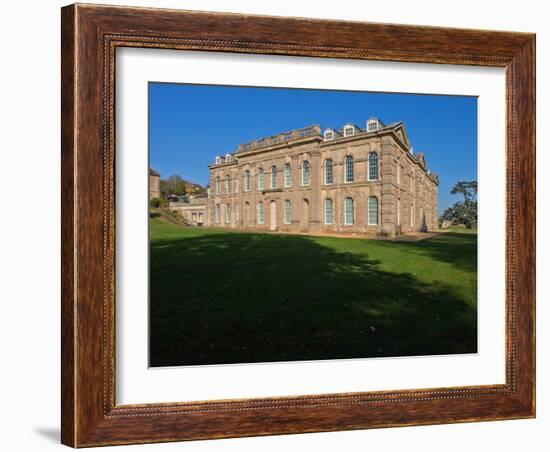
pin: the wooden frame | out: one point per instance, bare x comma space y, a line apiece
90, 35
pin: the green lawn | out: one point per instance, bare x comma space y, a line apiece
232, 297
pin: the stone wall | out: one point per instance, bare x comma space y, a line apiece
194, 214
402, 182
154, 186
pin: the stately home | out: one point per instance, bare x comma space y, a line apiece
352, 180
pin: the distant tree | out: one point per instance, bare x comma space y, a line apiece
174, 185
463, 212
177, 185
466, 189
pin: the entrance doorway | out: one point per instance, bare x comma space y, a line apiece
305, 213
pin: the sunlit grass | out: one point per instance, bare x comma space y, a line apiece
233, 297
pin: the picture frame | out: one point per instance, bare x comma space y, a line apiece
90, 36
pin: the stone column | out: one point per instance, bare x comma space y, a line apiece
315, 191
238, 194
207, 211
293, 193
436, 206
387, 177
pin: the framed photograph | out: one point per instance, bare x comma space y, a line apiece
282, 225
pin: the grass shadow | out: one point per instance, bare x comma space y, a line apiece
238, 298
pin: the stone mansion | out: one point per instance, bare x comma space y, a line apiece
352, 180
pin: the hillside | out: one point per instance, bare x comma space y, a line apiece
193, 188
176, 185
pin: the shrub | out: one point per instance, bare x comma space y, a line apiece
158, 203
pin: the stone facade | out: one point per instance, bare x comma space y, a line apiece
154, 184
358, 181
195, 211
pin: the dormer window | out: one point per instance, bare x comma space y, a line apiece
227, 157
329, 135
218, 160
373, 125
349, 130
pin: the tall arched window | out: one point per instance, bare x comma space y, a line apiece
348, 211
218, 185
398, 212
288, 176
328, 172
227, 214
236, 214
246, 213
247, 180
261, 212
373, 210
373, 166
261, 181
329, 213
217, 213
305, 173
348, 169
273, 177
227, 184
412, 215
398, 170
288, 212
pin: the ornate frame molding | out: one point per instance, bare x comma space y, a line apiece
90, 36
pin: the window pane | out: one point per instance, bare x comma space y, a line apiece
261, 212
288, 212
328, 172
305, 173
273, 177
348, 211
349, 169
288, 178
373, 210
261, 179
247, 180
328, 211
373, 166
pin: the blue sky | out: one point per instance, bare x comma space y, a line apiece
190, 124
